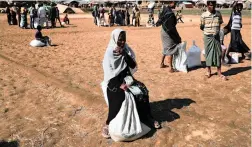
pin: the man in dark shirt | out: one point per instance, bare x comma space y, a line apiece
169, 34
42, 38
53, 16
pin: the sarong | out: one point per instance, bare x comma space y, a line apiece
169, 45
236, 43
212, 50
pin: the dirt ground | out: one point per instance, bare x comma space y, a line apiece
51, 96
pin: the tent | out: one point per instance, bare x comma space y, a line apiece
186, 5
65, 9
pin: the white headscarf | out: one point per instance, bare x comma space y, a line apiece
114, 64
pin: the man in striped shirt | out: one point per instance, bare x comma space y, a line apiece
211, 21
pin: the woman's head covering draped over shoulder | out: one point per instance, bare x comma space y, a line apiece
113, 63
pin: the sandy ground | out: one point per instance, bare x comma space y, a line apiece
51, 96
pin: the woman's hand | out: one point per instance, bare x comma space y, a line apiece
124, 87
118, 50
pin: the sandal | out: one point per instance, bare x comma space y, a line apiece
105, 132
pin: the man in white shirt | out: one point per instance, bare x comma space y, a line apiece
42, 16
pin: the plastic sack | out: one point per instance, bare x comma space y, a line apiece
36, 22
180, 58
134, 22
126, 126
37, 43
221, 34
234, 58
193, 56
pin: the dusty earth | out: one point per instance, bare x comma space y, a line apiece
51, 96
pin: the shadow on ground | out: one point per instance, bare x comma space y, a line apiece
9, 144
162, 110
236, 70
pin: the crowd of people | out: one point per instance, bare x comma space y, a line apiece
39, 15
119, 64
124, 17
125, 95
120, 17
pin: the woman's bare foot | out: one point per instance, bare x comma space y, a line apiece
171, 70
208, 73
163, 66
105, 132
156, 125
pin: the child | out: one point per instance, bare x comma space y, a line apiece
42, 38
66, 19
179, 16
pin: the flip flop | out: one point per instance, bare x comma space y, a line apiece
105, 132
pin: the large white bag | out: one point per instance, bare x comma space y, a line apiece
37, 43
180, 58
193, 56
126, 126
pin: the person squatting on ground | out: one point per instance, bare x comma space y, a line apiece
118, 63
169, 34
211, 21
234, 26
66, 20
40, 37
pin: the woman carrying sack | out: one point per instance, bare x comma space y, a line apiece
119, 87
